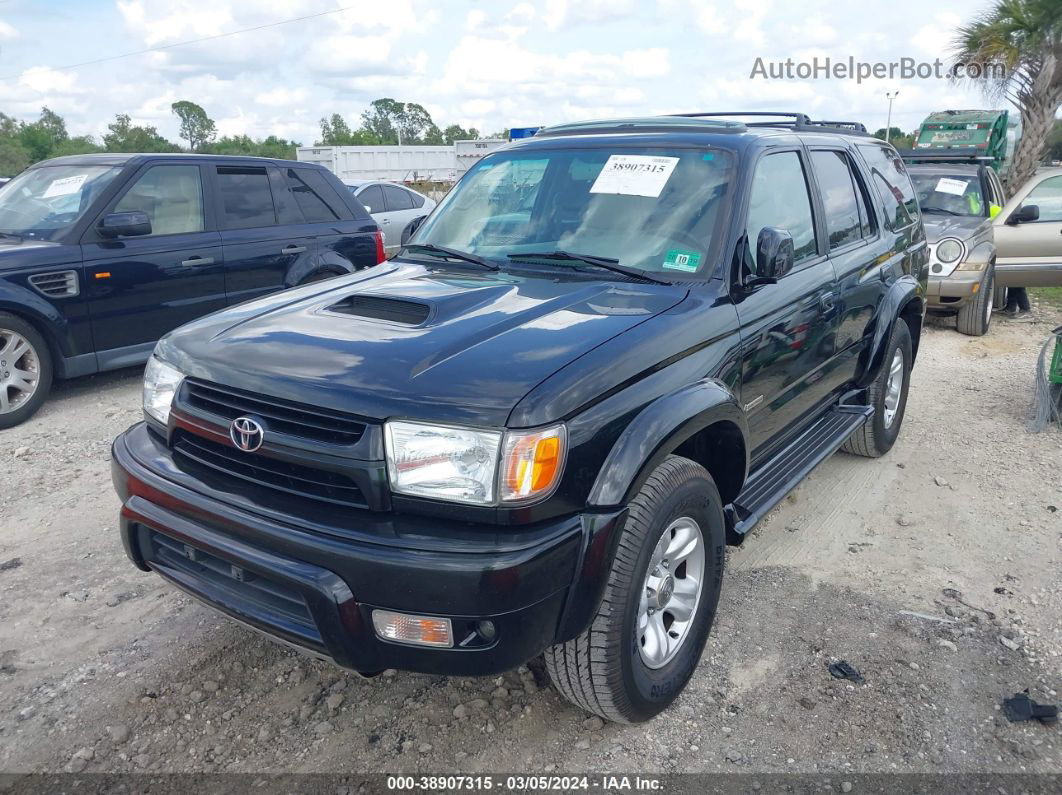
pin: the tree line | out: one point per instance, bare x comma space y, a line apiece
23, 143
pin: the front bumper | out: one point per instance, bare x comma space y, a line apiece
954, 291
297, 582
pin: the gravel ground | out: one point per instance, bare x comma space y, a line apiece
933, 571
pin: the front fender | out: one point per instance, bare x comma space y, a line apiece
984, 253
901, 294
657, 431
321, 261
47, 318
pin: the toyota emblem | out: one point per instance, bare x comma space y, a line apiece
246, 434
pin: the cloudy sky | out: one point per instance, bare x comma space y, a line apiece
486, 64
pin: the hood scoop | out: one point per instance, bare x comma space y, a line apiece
394, 310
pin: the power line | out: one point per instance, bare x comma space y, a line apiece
162, 47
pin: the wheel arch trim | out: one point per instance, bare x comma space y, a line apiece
658, 430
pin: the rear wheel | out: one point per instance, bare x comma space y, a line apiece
25, 370
663, 588
888, 396
975, 318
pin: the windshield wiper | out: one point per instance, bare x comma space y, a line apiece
939, 210
607, 263
453, 253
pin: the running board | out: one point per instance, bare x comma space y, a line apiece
769, 484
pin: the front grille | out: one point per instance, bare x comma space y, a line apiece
59, 284
283, 416
265, 601
272, 473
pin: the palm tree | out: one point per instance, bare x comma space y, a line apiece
1024, 37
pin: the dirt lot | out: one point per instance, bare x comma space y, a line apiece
934, 571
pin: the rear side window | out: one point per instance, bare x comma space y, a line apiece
314, 207
892, 185
418, 200
246, 200
846, 220
372, 198
779, 198
397, 199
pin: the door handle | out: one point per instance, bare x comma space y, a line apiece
826, 302
292, 249
384, 221
192, 261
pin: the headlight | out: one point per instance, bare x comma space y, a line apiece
949, 250
160, 385
473, 466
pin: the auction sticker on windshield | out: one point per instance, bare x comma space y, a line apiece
634, 175
956, 187
65, 186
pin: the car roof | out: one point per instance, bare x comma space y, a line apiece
135, 158
361, 183
944, 168
725, 130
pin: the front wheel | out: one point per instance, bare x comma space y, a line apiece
25, 370
975, 318
660, 599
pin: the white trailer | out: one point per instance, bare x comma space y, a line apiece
399, 163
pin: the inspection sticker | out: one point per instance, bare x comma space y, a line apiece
956, 187
687, 261
634, 175
64, 186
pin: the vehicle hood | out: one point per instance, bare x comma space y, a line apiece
489, 338
940, 226
14, 253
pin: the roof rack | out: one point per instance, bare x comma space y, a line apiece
960, 154
792, 121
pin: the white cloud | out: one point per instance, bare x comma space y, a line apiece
48, 81
7, 31
280, 97
935, 38
652, 62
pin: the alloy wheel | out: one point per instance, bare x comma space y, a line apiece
671, 592
20, 371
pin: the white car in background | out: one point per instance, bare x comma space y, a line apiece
394, 207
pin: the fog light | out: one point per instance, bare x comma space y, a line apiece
421, 630
486, 630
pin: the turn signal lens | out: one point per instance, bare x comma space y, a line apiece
532, 463
421, 630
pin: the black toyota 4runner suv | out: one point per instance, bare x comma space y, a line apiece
612, 346
100, 255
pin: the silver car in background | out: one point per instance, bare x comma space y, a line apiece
959, 202
397, 209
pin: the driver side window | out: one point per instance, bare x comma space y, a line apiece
779, 198
172, 197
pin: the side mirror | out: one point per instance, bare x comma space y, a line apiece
368, 209
128, 224
411, 228
774, 254
1023, 215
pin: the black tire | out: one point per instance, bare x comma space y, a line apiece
38, 356
875, 437
999, 298
975, 318
602, 670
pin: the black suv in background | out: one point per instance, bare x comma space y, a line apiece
100, 255
611, 347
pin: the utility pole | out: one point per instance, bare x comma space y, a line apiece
888, 124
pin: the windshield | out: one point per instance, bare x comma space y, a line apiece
653, 209
42, 203
949, 194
